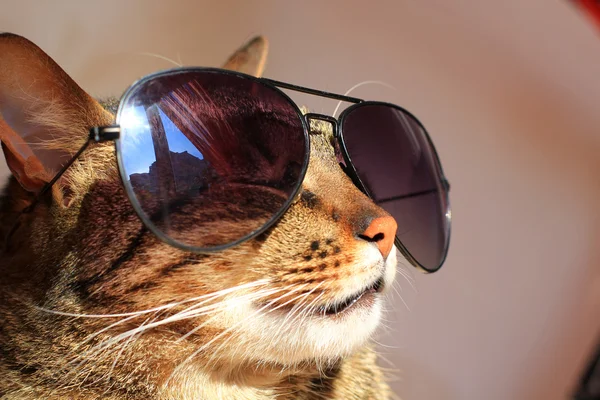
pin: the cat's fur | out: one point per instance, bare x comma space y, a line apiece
84, 251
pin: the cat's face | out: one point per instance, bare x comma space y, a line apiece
310, 288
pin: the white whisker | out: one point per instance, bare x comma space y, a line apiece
268, 305
210, 342
177, 64
159, 308
295, 308
251, 297
359, 85
125, 344
92, 354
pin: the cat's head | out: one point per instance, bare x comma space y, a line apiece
308, 289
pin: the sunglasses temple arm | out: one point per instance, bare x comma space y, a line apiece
49, 185
97, 134
42, 192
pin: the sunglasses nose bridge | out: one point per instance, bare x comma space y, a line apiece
322, 117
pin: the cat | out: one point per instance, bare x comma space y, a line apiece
95, 306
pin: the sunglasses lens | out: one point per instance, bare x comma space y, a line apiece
398, 167
209, 158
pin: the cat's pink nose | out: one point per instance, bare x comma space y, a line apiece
382, 231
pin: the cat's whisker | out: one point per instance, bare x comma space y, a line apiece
210, 342
295, 308
210, 297
171, 319
385, 346
106, 344
195, 306
109, 327
403, 271
306, 310
106, 375
124, 346
397, 288
384, 329
268, 305
188, 314
359, 85
388, 361
289, 291
81, 357
409, 279
298, 288
196, 329
396, 285
102, 350
404, 302
159, 308
177, 64
252, 298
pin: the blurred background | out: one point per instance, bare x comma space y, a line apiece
509, 92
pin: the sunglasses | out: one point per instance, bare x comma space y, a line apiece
228, 152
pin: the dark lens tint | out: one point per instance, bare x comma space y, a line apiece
211, 158
397, 164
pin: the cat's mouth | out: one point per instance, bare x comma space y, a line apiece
364, 297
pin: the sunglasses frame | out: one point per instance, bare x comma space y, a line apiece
113, 133
350, 170
133, 198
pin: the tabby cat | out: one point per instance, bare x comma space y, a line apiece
94, 306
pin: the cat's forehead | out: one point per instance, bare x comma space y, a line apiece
110, 104
321, 136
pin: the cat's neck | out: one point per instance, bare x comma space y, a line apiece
355, 377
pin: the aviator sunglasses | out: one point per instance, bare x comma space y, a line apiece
195, 139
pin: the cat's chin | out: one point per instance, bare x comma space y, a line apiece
325, 332
316, 336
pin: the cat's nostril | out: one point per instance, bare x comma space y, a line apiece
381, 231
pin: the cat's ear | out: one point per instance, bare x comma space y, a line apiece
250, 58
44, 114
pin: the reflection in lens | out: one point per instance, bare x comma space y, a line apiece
399, 169
211, 157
